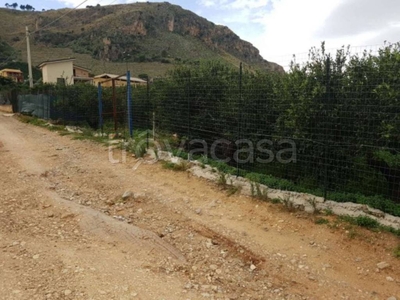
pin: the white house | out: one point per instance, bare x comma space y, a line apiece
58, 71
64, 71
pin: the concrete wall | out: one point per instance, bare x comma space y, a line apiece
52, 71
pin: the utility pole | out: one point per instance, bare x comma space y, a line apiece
28, 47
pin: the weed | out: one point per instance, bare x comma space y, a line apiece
275, 200
225, 185
365, 221
396, 252
139, 149
328, 212
258, 192
222, 180
313, 203
231, 190
352, 233
252, 190
321, 221
362, 221
369, 223
168, 165
182, 166
288, 203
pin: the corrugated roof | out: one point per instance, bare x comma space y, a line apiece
111, 76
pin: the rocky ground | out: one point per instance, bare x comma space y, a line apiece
67, 232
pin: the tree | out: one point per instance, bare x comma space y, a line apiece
6, 83
28, 7
23, 7
7, 5
14, 5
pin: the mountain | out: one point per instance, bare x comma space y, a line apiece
145, 37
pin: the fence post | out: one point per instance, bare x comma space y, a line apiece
129, 102
189, 115
99, 96
114, 100
239, 107
327, 101
148, 111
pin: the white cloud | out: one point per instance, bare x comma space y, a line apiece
239, 4
291, 26
212, 3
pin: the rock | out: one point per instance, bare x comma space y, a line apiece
209, 243
73, 129
67, 292
139, 211
392, 298
127, 195
139, 195
382, 265
67, 216
213, 267
252, 267
198, 211
389, 279
36, 256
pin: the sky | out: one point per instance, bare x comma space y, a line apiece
281, 28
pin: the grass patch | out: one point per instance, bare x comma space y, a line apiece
396, 252
321, 221
352, 233
362, 221
369, 223
138, 148
275, 201
180, 167
378, 202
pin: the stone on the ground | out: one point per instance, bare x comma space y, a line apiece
382, 265
127, 195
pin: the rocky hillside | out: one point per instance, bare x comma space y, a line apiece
156, 34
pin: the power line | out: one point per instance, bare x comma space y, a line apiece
52, 22
48, 24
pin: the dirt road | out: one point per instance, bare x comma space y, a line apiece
65, 233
